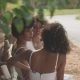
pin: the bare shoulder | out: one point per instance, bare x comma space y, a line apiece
23, 54
20, 50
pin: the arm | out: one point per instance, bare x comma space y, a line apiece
5, 53
61, 67
19, 58
22, 66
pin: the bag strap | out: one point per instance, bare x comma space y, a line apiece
18, 50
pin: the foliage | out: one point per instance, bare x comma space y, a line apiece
19, 24
7, 16
27, 9
13, 1
5, 28
3, 4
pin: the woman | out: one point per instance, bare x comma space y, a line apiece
25, 35
37, 34
49, 62
38, 27
21, 44
24, 41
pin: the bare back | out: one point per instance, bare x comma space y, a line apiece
43, 62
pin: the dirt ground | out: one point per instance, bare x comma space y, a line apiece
73, 62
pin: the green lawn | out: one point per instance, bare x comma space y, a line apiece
57, 12
64, 11
46, 12
78, 17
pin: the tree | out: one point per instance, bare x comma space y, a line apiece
25, 9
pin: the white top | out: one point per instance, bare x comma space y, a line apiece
29, 45
43, 76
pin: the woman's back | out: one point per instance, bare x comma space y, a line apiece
43, 62
43, 65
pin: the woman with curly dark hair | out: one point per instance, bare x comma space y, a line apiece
49, 62
38, 27
22, 36
25, 34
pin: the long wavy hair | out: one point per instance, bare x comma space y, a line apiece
55, 38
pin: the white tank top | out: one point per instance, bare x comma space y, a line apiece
29, 45
43, 76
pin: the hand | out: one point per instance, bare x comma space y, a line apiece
12, 40
6, 45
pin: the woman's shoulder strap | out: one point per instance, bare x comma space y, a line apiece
56, 61
20, 49
30, 58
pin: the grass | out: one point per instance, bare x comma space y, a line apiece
78, 17
47, 13
63, 11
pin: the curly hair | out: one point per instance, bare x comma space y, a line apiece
15, 33
55, 38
